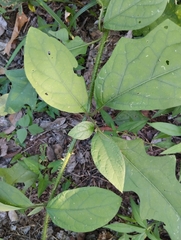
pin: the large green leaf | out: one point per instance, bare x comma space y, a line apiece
83, 209
108, 159
18, 174
11, 196
172, 12
21, 92
49, 67
132, 14
143, 73
153, 179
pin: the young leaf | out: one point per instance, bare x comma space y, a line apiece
77, 210
20, 87
35, 129
21, 134
54, 78
43, 183
131, 15
172, 150
124, 228
82, 131
18, 174
153, 179
11, 196
167, 128
24, 121
108, 159
33, 164
143, 77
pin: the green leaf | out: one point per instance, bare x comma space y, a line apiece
21, 87
18, 174
136, 213
77, 46
35, 129
124, 228
146, 77
21, 134
108, 119
131, 15
6, 208
11, 196
153, 179
43, 184
108, 159
82, 130
55, 165
33, 164
54, 78
24, 121
132, 126
61, 34
167, 128
172, 12
172, 150
35, 211
83, 209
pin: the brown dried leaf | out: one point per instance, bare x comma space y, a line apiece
67, 14
3, 25
21, 19
3, 147
2, 71
13, 118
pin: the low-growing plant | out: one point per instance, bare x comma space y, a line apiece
141, 74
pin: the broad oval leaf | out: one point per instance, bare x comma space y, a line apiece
9, 195
108, 159
153, 179
83, 209
143, 74
132, 14
82, 131
167, 128
21, 91
49, 68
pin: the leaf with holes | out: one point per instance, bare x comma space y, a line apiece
153, 179
144, 77
49, 68
131, 15
83, 209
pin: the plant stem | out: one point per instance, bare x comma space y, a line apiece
72, 144
96, 67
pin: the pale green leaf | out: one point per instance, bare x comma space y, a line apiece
6, 208
49, 67
33, 164
83, 209
108, 159
124, 228
77, 46
21, 87
153, 179
82, 131
18, 174
132, 14
167, 128
143, 77
21, 134
35, 211
11, 196
172, 150
3, 101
